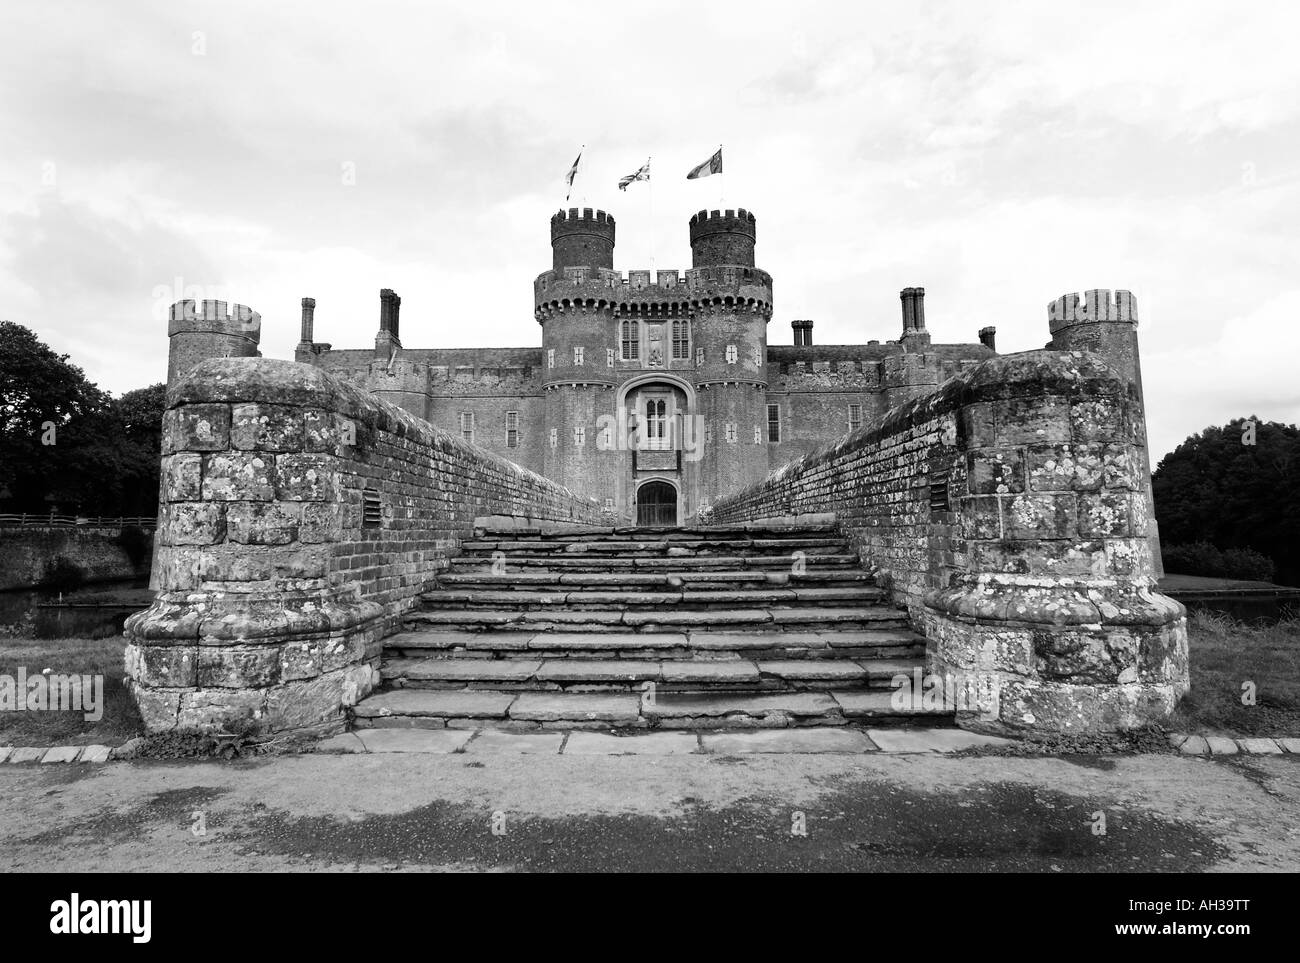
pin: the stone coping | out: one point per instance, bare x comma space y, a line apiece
838, 739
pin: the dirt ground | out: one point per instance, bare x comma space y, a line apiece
512, 811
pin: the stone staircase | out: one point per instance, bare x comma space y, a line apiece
649, 628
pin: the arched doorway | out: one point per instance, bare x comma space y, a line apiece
656, 504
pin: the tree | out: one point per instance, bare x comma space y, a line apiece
1216, 487
41, 394
65, 441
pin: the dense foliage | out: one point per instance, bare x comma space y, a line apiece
68, 445
1217, 488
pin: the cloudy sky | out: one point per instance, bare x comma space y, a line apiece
1000, 154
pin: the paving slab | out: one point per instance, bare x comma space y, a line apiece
96, 754
26, 754
439, 741
815, 670
4, 752
1222, 745
597, 670
61, 754
1260, 747
884, 670
473, 670
690, 670
786, 740
344, 742
1195, 746
501, 740
557, 707
643, 744
932, 740
1290, 745
435, 702
673, 705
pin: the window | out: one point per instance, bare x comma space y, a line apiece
579, 437
708, 434
512, 429
773, 423
758, 356
855, 417
555, 437
630, 341
467, 426
731, 432
609, 357
758, 435
731, 354
681, 340
656, 424
577, 354
699, 356
550, 357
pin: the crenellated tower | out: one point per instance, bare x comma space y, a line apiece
198, 330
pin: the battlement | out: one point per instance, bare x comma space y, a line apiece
1097, 305
723, 237
605, 287
739, 221
573, 218
583, 239
214, 316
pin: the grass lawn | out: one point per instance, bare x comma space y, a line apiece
120, 720
1225, 654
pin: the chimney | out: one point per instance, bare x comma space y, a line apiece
909, 309
395, 317
386, 310
988, 337
308, 320
802, 332
918, 309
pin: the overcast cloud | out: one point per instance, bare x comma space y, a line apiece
1000, 154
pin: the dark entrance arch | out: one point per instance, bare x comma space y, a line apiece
656, 504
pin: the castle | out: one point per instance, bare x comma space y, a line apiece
321, 518
657, 394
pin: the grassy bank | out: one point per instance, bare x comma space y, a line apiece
120, 720
1225, 655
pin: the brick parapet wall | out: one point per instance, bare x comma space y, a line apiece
274, 591
1033, 569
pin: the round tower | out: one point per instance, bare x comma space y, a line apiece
198, 330
719, 237
1107, 326
582, 240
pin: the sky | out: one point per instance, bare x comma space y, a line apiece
999, 154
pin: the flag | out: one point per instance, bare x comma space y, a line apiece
568, 178
711, 166
642, 174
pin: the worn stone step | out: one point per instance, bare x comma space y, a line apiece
521, 671
572, 530
596, 564
689, 597
582, 581
637, 546
656, 620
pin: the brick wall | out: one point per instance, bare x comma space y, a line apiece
1006, 511
275, 586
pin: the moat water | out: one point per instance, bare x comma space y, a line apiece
89, 612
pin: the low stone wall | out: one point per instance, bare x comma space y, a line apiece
1006, 511
97, 554
300, 518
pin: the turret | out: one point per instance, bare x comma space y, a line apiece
582, 240
1107, 326
199, 330
723, 238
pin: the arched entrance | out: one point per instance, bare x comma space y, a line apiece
656, 503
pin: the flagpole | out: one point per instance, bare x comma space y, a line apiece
650, 182
722, 183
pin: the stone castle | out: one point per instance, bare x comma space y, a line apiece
653, 491
638, 376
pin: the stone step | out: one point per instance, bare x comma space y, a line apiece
563, 562
617, 619
561, 532
878, 643
643, 545
687, 598
639, 581
480, 708
522, 671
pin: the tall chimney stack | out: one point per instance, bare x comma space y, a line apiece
308, 320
